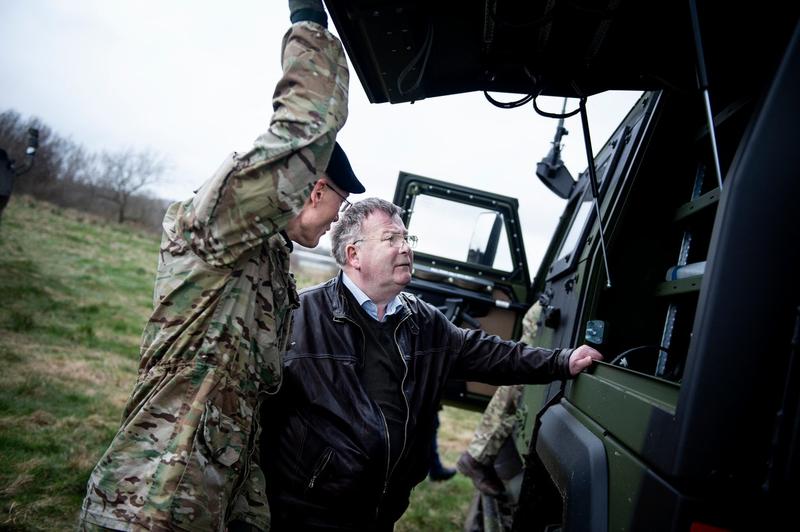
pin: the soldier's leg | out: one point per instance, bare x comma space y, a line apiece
496, 424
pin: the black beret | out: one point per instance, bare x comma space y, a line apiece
341, 173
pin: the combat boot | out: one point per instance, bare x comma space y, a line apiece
483, 477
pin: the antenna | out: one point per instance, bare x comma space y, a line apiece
551, 170
595, 189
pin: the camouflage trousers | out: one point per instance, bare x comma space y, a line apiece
185, 457
496, 424
90, 527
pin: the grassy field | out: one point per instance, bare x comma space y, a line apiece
74, 295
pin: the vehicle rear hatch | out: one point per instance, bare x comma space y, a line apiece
410, 50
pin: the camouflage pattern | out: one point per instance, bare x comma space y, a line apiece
499, 418
186, 454
496, 424
530, 324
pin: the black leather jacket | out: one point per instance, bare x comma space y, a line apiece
325, 441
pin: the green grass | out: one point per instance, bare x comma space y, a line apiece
442, 506
75, 293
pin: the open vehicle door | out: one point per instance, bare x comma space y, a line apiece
470, 262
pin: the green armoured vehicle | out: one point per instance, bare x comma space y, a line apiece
677, 253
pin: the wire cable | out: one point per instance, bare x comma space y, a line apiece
633, 349
508, 105
553, 115
426, 50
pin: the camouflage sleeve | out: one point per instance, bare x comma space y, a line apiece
530, 324
255, 194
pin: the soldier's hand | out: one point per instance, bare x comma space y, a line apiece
582, 358
312, 10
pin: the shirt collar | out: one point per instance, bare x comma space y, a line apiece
367, 304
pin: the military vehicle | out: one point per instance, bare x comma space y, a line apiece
676, 255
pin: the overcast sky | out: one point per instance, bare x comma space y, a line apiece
192, 79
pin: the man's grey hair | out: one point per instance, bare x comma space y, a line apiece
348, 230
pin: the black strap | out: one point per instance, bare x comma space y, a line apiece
310, 15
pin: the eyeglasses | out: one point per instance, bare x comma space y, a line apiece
396, 240
345, 203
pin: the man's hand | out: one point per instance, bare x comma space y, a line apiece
582, 358
311, 10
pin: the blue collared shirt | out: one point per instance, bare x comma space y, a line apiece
367, 304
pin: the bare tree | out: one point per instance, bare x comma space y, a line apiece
122, 173
10, 128
69, 175
75, 163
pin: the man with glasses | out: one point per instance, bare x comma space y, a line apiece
345, 202
185, 456
363, 378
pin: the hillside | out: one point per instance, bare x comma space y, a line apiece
75, 293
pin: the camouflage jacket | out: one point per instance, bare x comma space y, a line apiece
185, 456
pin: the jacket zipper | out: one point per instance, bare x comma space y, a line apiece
390, 468
403, 392
321, 465
388, 459
383, 417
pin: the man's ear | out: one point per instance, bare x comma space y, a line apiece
317, 191
353, 258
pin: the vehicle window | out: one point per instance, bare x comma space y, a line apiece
585, 208
465, 233
575, 230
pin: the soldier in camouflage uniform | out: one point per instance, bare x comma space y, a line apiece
185, 456
496, 424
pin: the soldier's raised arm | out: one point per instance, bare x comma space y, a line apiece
256, 193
